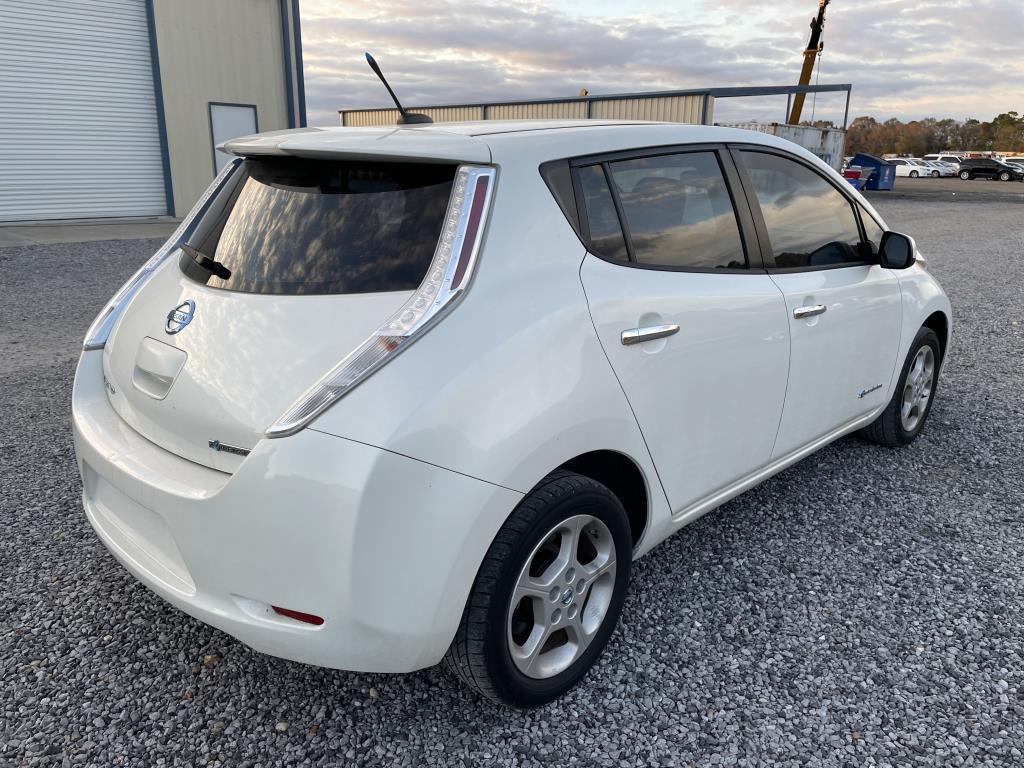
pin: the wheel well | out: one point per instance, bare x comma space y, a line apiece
622, 477
938, 323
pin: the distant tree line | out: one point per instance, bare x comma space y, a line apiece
1004, 133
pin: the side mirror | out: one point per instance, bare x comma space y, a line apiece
896, 251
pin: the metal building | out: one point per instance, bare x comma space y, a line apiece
112, 108
668, 106
688, 106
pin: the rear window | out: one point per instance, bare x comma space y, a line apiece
301, 226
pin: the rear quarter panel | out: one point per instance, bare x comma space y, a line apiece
513, 383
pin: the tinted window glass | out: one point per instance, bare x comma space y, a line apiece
678, 211
326, 227
872, 231
810, 224
605, 230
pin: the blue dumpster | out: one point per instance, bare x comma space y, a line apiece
884, 174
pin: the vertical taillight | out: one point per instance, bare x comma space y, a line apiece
447, 277
99, 331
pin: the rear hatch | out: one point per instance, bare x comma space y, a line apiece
305, 258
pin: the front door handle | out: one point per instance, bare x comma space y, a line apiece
809, 311
648, 333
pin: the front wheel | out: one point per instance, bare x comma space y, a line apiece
1004, 176
914, 174
965, 175
548, 594
935, 174
903, 418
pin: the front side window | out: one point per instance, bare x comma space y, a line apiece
810, 223
872, 231
678, 211
300, 226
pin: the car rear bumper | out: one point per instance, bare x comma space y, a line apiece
384, 548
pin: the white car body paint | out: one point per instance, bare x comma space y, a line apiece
377, 515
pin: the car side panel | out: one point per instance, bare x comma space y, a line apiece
515, 383
922, 297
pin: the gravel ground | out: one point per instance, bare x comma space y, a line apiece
862, 608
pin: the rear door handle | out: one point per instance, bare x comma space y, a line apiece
809, 311
648, 333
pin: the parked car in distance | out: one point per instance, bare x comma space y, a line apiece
1017, 160
402, 395
989, 168
937, 168
951, 159
906, 166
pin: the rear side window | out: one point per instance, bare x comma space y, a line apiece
603, 221
300, 226
810, 223
678, 211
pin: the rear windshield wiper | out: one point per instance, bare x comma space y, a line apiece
204, 261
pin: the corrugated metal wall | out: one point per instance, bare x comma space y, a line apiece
78, 122
673, 109
562, 110
390, 116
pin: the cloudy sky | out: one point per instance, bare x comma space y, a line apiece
905, 58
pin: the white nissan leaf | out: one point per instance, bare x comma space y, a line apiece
397, 396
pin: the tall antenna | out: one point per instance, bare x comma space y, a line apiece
404, 118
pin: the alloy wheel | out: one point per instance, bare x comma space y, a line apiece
561, 597
917, 389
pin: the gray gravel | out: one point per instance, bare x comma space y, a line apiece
862, 608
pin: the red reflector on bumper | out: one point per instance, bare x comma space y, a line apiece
308, 618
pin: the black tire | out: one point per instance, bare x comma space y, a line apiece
888, 428
965, 175
935, 174
1004, 176
480, 655
914, 174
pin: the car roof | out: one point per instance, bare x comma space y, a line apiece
488, 141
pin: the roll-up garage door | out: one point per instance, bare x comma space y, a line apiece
79, 134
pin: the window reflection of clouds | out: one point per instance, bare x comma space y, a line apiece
679, 211
333, 228
809, 222
605, 229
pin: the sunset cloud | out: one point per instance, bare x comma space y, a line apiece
905, 58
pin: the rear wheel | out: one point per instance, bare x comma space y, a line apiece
965, 175
903, 418
548, 594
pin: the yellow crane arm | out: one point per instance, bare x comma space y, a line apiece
814, 47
